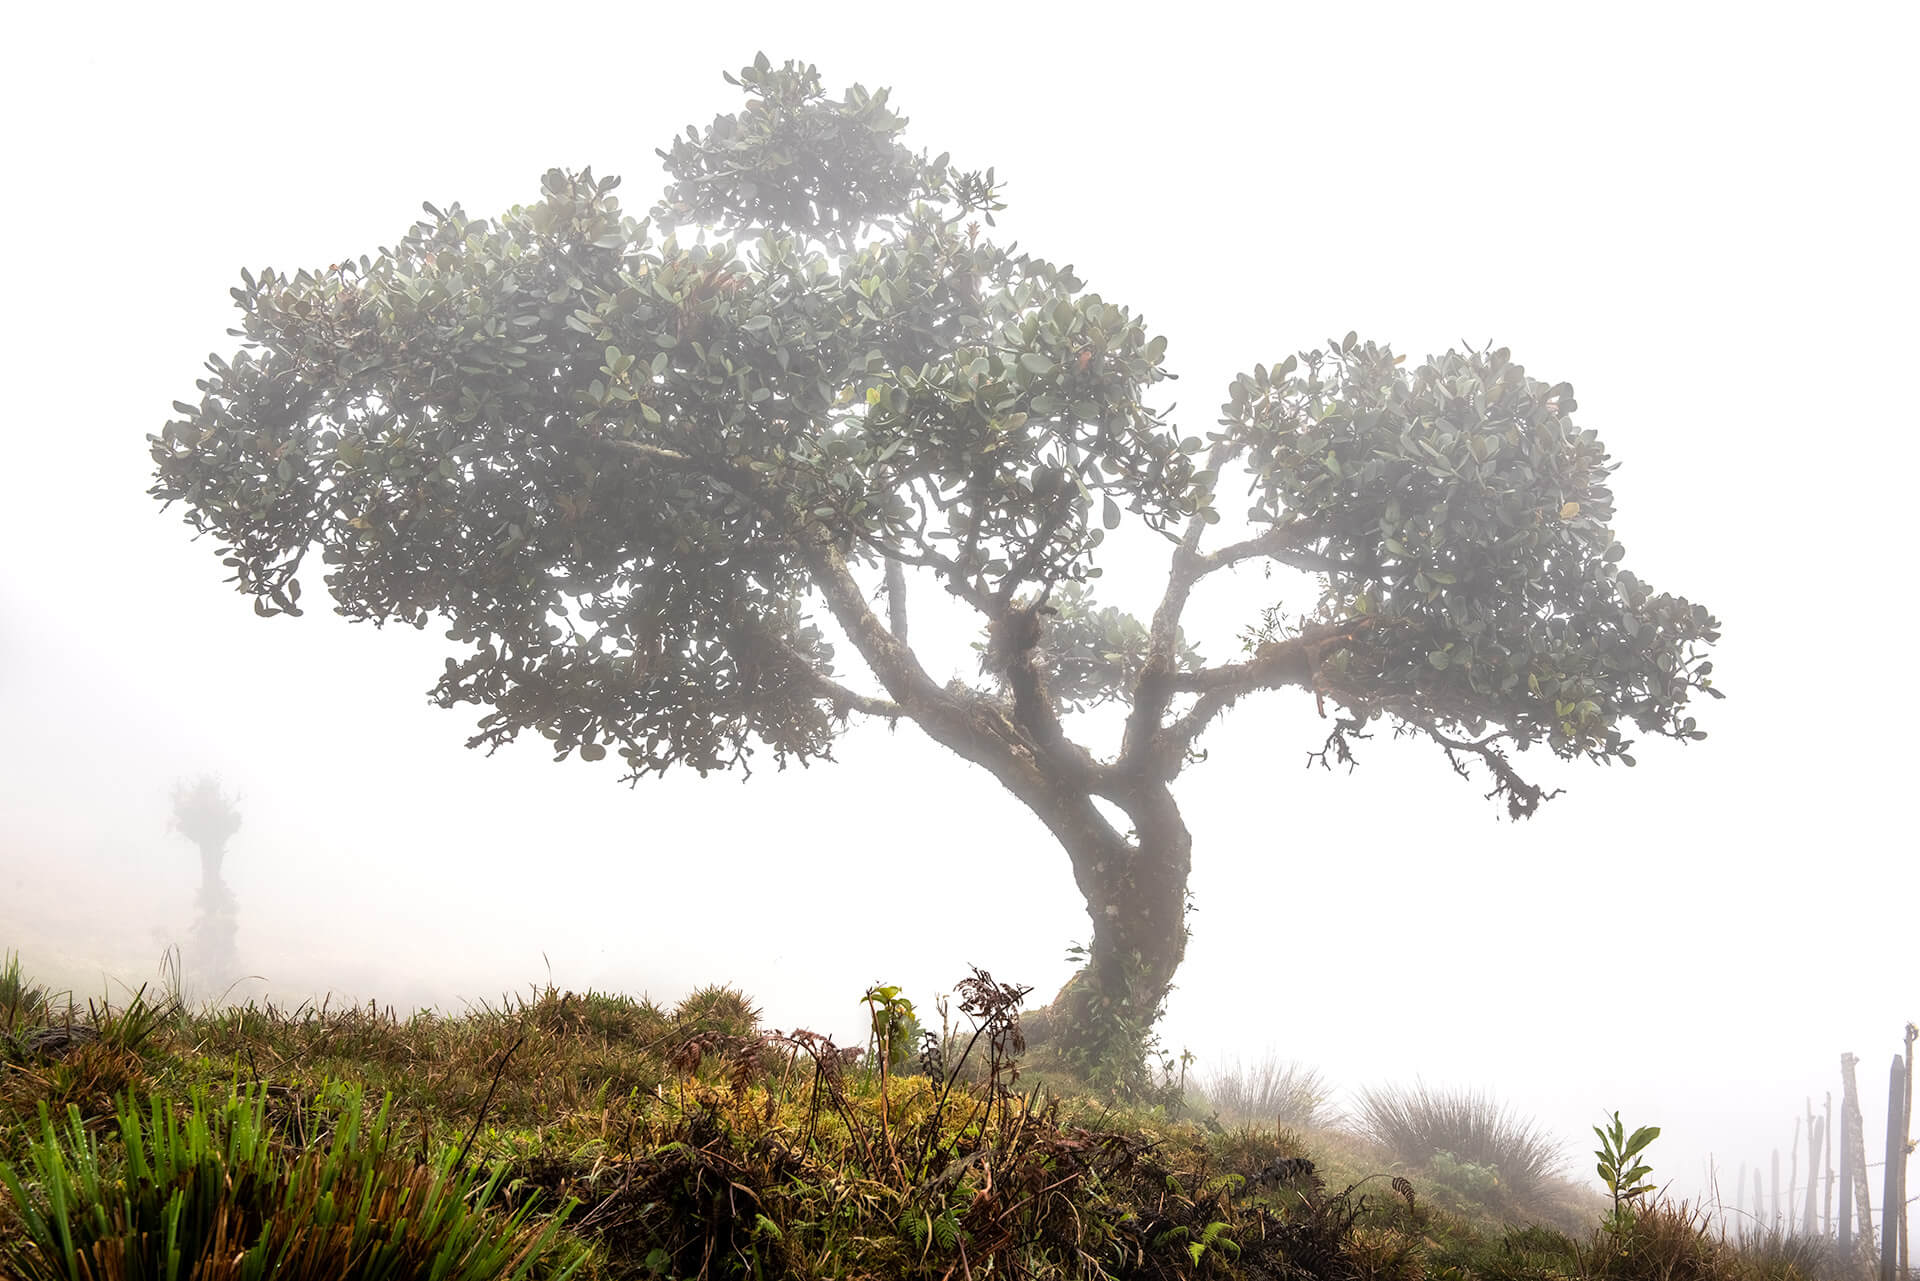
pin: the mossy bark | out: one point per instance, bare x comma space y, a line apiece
1136, 891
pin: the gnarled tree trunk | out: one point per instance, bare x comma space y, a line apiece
1135, 886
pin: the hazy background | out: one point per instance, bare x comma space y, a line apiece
1700, 216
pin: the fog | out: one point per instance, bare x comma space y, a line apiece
1699, 218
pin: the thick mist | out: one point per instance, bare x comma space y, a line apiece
1696, 218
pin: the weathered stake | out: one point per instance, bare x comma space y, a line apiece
1826, 1208
1896, 1154
1793, 1177
1853, 1158
1808, 1219
1906, 1151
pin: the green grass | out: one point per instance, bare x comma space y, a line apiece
207, 1191
598, 1135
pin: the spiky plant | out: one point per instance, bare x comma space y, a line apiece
718, 1009
211, 1194
1268, 1091
1417, 1124
21, 999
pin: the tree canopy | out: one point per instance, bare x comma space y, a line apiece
634, 464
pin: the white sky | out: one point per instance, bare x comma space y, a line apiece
1699, 215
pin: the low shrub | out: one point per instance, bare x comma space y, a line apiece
1418, 1125
1269, 1091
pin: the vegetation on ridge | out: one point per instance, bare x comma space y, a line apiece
601, 1136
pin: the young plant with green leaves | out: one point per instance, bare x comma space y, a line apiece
640, 474
1621, 1167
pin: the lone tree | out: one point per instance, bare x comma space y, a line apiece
630, 471
208, 817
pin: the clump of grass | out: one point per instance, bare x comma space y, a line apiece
81, 1059
1269, 1091
213, 1195
1532, 1253
22, 1001
1464, 1128
718, 1011
1665, 1239
1776, 1255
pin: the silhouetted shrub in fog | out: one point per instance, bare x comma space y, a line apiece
1417, 1124
1269, 1091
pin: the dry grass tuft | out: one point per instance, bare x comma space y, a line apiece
1467, 1133
1270, 1091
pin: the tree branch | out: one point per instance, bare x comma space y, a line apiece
1284, 543
1523, 798
896, 667
946, 567
843, 698
1153, 689
896, 599
1275, 665
1014, 648
641, 449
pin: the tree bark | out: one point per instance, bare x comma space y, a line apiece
1134, 884
1136, 893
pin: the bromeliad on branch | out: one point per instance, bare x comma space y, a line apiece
631, 473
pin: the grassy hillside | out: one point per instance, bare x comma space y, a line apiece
597, 1136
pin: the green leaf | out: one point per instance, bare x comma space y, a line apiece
1035, 363
1109, 512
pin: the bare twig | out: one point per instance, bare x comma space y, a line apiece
481, 1116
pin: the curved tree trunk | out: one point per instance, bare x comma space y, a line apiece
1135, 884
1136, 893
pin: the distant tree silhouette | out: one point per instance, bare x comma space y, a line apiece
208, 817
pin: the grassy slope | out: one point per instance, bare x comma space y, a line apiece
695, 1144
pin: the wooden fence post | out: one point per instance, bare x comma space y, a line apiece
1906, 1151
1793, 1179
1807, 1220
1853, 1154
1826, 1208
1890, 1215
1846, 1172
